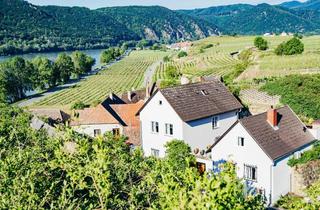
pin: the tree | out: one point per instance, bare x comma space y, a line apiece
64, 67
45, 73
179, 155
182, 54
261, 43
82, 63
16, 77
292, 47
143, 43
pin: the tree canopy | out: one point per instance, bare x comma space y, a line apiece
292, 47
261, 43
71, 171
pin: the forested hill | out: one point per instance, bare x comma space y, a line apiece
262, 18
160, 23
28, 28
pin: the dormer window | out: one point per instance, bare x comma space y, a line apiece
204, 92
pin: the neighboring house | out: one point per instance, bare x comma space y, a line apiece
261, 146
181, 46
53, 116
197, 113
117, 114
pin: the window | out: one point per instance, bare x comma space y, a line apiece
154, 127
201, 167
155, 152
169, 129
250, 172
215, 122
116, 132
96, 132
240, 141
160, 102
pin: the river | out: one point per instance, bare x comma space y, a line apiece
53, 55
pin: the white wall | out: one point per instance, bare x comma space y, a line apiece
162, 114
251, 154
89, 129
199, 133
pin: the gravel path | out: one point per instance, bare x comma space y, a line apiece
150, 72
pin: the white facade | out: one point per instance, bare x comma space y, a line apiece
104, 128
198, 134
273, 178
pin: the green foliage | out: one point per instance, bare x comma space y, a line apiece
143, 43
166, 59
110, 54
310, 155
45, 73
72, 171
182, 54
178, 155
78, 105
82, 63
292, 47
261, 43
64, 66
300, 92
292, 202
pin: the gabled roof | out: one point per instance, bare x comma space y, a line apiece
95, 115
127, 113
53, 114
289, 136
200, 100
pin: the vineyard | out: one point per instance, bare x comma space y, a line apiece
122, 76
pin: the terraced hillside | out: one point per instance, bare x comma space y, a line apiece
122, 76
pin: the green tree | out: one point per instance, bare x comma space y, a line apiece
261, 43
82, 63
64, 67
292, 47
178, 155
45, 72
182, 54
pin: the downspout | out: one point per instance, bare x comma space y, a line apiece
271, 186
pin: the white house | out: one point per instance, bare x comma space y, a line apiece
261, 146
197, 113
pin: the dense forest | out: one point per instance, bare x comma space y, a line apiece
52, 28
17, 75
71, 171
262, 18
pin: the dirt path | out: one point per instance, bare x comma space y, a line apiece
253, 70
150, 72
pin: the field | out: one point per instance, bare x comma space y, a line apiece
122, 76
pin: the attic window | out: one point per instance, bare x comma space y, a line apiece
160, 102
204, 92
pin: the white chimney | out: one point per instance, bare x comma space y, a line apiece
184, 80
111, 96
129, 96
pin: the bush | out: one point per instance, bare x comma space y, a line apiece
292, 47
261, 43
182, 54
310, 155
78, 105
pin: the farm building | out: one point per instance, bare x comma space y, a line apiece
180, 46
54, 116
261, 146
197, 113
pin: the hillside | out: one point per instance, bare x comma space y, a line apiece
263, 18
310, 5
158, 23
49, 28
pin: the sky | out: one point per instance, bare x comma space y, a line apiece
172, 4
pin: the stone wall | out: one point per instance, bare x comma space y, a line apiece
304, 175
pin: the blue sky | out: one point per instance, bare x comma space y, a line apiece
172, 4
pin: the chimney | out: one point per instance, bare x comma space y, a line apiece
147, 91
272, 117
129, 96
111, 96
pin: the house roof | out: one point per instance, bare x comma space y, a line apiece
53, 114
200, 100
95, 115
290, 135
127, 112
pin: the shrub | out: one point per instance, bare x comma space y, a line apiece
78, 105
182, 54
292, 47
310, 155
261, 43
